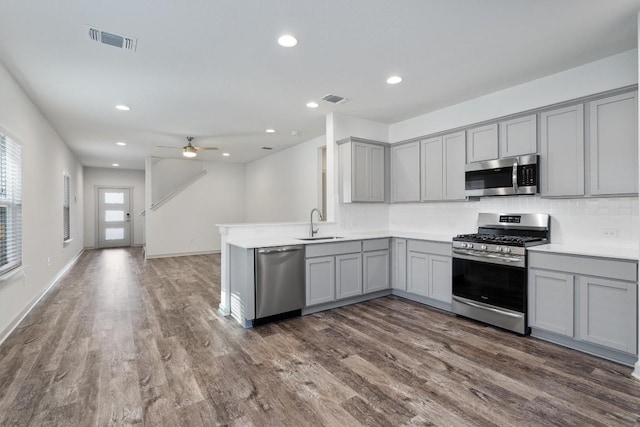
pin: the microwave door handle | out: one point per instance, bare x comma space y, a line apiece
514, 176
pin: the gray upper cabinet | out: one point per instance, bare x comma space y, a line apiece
442, 165
613, 142
363, 170
432, 169
405, 173
482, 143
454, 161
562, 151
518, 137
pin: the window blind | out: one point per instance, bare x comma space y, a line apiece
10, 204
66, 218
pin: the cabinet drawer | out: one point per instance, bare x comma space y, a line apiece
337, 248
437, 248
590, 266
375, 245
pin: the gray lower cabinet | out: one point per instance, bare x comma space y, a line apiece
429, 270
589, 303
562, 151
320, 280
405, 173
376, 270
551, 301
613, 145
607, 310
399, 264
348, 275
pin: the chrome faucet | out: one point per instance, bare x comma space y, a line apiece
312, 232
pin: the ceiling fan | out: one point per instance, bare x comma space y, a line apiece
190, 150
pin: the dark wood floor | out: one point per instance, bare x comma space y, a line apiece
124, 341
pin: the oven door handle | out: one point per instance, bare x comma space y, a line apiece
514, 176
484, 255
484, 307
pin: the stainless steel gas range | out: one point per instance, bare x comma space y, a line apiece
490, 268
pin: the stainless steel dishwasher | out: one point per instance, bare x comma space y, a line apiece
280, 287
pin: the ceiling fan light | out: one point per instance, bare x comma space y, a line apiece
189, 151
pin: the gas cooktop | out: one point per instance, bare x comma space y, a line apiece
511, 240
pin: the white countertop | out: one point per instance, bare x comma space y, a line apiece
589, 250
267, 242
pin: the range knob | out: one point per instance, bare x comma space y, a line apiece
470, 245
499, 249
483, 247
506, 250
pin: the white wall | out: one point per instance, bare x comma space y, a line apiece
104, 177
284, 186
171, 175
574, 221
45, 158
186, 224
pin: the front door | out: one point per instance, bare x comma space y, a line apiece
114, 217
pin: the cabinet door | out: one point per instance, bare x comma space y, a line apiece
454, 161
518, 137
405, 173
551, 301
348, 275
613, 142
399, 264
608, 314
320, 280
562, 152
482, 143
418, 273
376, 270
375, 172
360, 172
432, 167
440, 275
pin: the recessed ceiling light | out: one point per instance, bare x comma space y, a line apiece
394, 80
294, 133
122, 107
287, 40
226, 154
120, 143
270, 131
312, 104
115, 165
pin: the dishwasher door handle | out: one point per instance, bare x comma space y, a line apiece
280, 250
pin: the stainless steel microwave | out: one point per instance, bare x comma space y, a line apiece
504, 177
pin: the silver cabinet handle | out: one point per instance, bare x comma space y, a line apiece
514, 176
495, 310
279, 250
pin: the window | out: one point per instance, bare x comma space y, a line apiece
66, 214
10, 204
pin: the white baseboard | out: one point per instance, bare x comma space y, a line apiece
636, 371
177, 254
13, 325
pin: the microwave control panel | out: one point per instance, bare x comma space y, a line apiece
527, 175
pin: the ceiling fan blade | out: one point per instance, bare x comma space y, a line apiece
205, 148
165, 146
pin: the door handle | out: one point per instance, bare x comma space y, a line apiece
128, 217
514, 176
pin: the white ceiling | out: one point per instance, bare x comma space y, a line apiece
212, 68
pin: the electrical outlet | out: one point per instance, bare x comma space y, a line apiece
609, 233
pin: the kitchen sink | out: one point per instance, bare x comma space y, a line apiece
320, 238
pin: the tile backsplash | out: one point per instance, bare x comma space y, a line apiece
611, 221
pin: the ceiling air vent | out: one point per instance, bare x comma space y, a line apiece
116, 40
334, 99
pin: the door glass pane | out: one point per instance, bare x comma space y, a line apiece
114, 198
114, 233
113, 216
